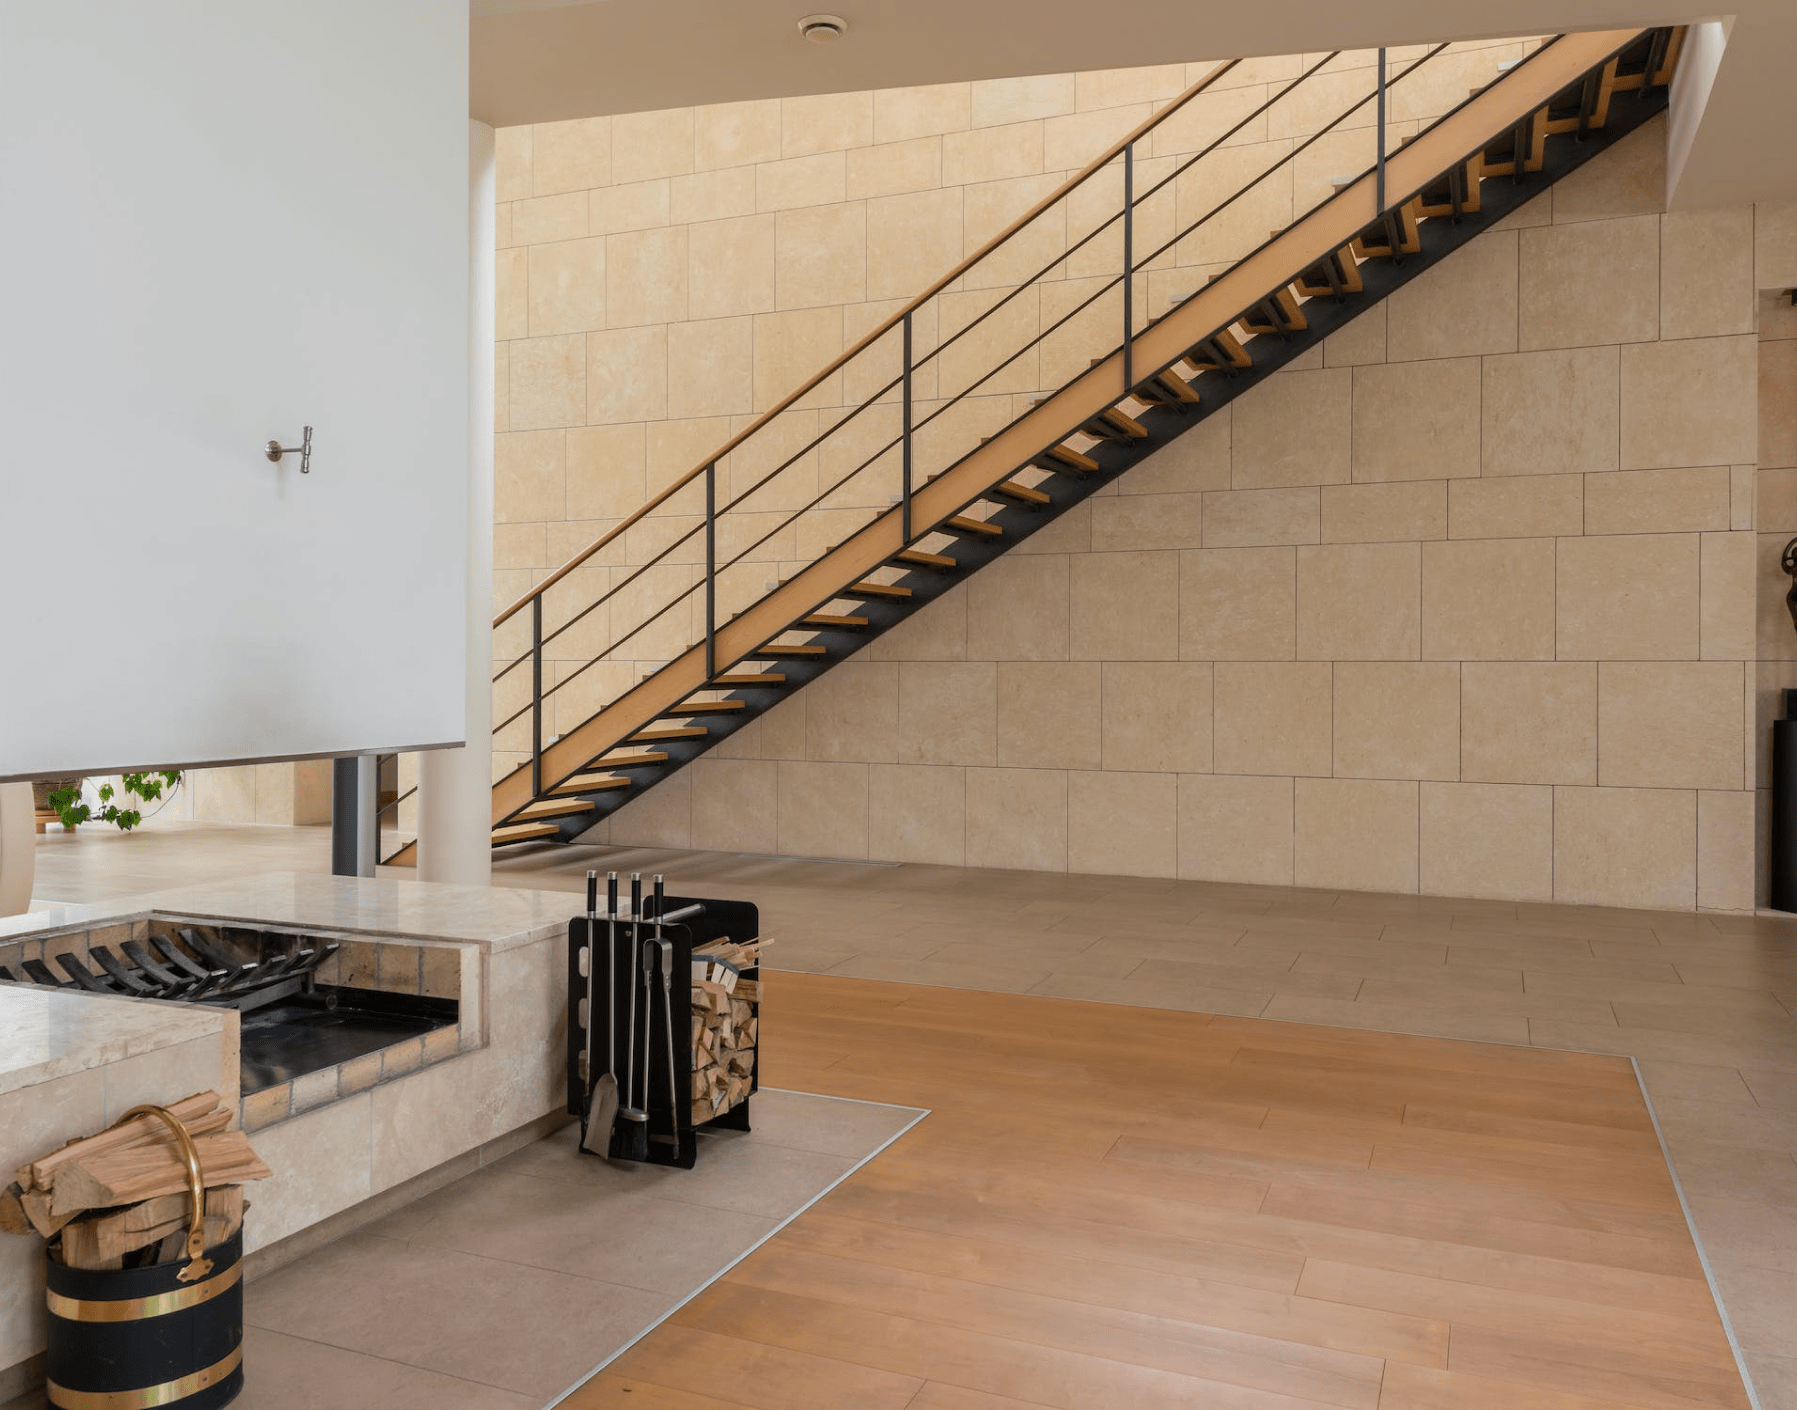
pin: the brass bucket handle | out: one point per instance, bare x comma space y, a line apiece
198, 1265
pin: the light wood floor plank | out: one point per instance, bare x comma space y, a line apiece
972, 1360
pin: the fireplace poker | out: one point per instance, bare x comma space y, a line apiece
648, 1023
602, 1097
633, 1141
667, 1023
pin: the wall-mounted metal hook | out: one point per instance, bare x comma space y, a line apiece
274, 450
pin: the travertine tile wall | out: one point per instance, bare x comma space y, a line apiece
1462, 604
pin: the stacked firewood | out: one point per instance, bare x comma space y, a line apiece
724, 1025
120, 1199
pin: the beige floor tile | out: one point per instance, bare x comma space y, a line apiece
1351, 963
1401, 1018
290, 1373
1000, 955
525, 1329
1685, 1016
1447, 994
1661, 990
1695, 1081
595, 1231
1709, 1170
1194, 998
1773, 1087
1759, 1302
994, 979
1251, 978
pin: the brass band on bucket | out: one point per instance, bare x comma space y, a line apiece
165, 1394
133, 1309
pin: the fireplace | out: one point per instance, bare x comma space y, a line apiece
321, 1016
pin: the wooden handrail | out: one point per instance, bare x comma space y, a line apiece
1110, 153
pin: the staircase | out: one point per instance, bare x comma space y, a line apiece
810, 533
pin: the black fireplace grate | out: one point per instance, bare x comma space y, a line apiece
195, 970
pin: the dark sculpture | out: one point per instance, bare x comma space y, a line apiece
1788, 561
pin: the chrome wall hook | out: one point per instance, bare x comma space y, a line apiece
274, 450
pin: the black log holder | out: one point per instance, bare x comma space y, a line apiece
673, 1140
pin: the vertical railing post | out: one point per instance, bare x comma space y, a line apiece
905, 452
1379, 167
711, 572
1129, 268
536, 695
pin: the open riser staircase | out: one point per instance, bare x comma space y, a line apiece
1156, 379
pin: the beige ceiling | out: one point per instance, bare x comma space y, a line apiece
545, 60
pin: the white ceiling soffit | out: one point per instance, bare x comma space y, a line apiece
548, 60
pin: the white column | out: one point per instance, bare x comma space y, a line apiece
455, 786
18, 848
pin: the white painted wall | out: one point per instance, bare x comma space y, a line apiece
221, 220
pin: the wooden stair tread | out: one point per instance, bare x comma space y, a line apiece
1064, 458
1277, 313
553, 809
524, 832
1023, 494
925, 559
1222, 350
961, 524
740, 678
833, 620
1168, 389
705, 707
802, 649
678, 732
1111, 424
892, 590
641, 760
591, 783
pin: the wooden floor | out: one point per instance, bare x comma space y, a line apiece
1125, 1207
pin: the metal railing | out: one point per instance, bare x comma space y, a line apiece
1028, 312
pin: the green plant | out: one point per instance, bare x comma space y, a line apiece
146, 786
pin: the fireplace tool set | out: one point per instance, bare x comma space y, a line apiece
630, 1049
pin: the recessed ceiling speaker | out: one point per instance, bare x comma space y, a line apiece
823, 29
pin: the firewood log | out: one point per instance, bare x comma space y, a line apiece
142, 1172
191, 1111
92, 1241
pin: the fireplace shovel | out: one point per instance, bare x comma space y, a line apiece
602, 1096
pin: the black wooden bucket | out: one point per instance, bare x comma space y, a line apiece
168, 1336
